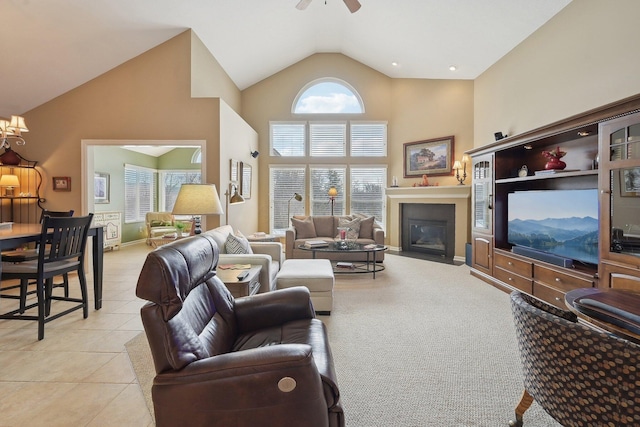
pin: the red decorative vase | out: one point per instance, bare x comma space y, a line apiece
10, 157
555, 163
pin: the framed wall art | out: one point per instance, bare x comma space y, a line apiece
61, 183
430, 157
630, 182
101, 187
245, 182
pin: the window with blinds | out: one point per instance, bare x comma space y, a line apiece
368, 139
284, 183
323, 178
287, 139
367, 186
327, 139
170, 182
139, 192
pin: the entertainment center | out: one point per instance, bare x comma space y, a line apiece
548, 231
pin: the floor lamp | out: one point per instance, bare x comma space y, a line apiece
296, 196
333, 192
233, 198
197, 200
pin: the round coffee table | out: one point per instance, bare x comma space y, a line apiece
347, 267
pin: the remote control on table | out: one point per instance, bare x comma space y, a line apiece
242, 275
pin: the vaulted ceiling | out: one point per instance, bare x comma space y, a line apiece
51, 46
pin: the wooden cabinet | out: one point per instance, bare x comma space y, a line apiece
112, 228
620, 201
603, 156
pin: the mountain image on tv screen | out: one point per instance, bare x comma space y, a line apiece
560, 222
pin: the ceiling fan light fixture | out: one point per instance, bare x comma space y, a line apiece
303, 4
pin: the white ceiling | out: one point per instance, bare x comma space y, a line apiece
51, 46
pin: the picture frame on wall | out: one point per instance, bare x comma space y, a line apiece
101, 187
430, 157
630, 182
245, 182
61, 183
234, 175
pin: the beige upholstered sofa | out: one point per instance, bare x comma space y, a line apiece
325, 227
268, 255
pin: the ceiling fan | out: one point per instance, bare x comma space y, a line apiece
352, 5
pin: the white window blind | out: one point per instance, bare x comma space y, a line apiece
368, 139
367, 192
284, 183
321, 180
139, 192
287, 139
170, 183
328, 139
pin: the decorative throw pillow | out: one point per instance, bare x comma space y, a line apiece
304, 228
237, 245
366, 226
353, 226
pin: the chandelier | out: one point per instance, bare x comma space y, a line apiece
12, 130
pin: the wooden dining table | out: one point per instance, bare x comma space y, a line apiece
16, 235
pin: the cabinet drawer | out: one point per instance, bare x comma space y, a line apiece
511, 279
621, 277
550, 295
559, 280
514, 265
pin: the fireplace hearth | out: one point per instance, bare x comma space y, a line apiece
428, 229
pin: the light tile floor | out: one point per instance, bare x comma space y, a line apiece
79, 374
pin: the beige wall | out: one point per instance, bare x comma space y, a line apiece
581, 59
415, 110
146, 98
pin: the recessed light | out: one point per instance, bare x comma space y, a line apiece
452, 68
395, 64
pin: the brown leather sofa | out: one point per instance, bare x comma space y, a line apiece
262, 360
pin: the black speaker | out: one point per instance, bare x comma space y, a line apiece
255, 154
543, 256
499, 136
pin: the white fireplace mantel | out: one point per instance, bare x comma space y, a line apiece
458, 195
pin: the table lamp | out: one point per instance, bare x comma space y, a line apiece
9, 182
197, 200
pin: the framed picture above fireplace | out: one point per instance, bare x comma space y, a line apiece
429, 157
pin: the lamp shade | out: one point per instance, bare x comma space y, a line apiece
457, 164
198, 199
18, 125
333, 192
9, 181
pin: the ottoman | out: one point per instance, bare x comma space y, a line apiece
315, 274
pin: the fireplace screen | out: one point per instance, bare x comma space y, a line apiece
428, 236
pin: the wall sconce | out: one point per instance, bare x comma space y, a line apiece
9, 182
11, 130
197, 200
296, 196
457, 165
232, 198
333, 192
255, 154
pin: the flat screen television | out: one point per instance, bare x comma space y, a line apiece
558, 222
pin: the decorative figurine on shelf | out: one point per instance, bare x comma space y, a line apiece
554, 157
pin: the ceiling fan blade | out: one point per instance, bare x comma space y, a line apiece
352, 5
302, 5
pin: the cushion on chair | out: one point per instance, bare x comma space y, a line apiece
366, 226
237, 245
352, 225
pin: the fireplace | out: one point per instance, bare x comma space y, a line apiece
428, 229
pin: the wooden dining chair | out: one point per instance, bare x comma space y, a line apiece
22, 255
66, 239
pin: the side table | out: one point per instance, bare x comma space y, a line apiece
262, 237
249, 285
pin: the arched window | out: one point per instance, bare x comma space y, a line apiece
197, 156
328, 96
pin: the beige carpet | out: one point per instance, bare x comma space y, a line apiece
425, 344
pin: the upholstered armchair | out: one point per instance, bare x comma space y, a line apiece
579, 375
262, 360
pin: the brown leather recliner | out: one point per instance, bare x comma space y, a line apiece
262, 360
